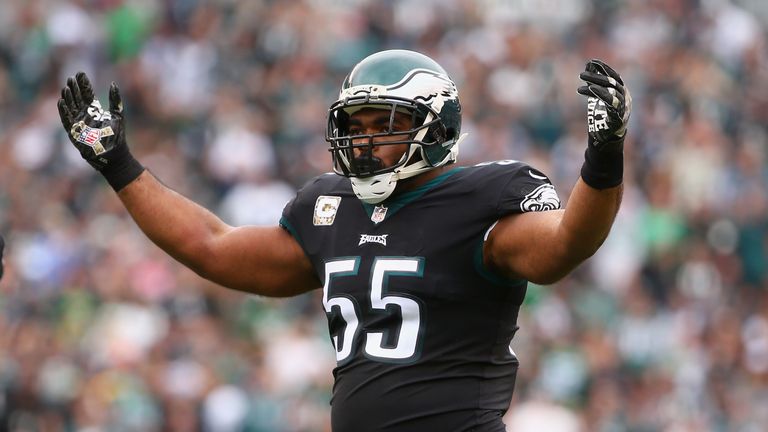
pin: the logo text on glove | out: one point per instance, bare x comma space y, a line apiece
597, 115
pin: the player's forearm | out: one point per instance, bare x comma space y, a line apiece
588, 219
180, 227
596, 197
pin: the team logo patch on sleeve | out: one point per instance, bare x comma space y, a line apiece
325, 210
542, 198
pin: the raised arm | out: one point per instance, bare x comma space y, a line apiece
260, 260
544, 247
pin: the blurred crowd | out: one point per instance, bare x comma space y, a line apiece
665, 329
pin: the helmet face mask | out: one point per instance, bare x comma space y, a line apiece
344, 143
396, 81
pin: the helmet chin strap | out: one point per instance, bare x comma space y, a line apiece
375, 189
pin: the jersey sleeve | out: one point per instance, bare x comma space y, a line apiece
297, 209
287, 219
310, 216
508, 187
526, 190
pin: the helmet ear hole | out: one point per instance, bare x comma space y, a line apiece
436, 133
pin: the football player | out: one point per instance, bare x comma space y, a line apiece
423, 264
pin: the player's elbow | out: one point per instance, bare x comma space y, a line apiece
218, 272
551, 275
198, 256
558, 265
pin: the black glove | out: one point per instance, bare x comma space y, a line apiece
2, 246
609, 105
98, 135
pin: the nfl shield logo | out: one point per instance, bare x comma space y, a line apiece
379, 213
89, 136
92, 136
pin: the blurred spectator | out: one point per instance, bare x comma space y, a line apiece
2, 261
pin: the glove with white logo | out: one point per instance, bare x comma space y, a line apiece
609, 105
98, 135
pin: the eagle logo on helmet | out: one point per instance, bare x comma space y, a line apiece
430, 87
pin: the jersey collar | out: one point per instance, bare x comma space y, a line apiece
395, 203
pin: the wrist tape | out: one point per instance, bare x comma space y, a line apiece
602, 169
122, 169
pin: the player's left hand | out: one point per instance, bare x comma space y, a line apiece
609, 105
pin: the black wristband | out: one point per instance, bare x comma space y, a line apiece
602, 169
122, 169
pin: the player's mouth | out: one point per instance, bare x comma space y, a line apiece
367, 163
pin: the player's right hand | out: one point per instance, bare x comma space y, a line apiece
609, 105
98, 135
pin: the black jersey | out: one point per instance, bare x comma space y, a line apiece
421, 329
